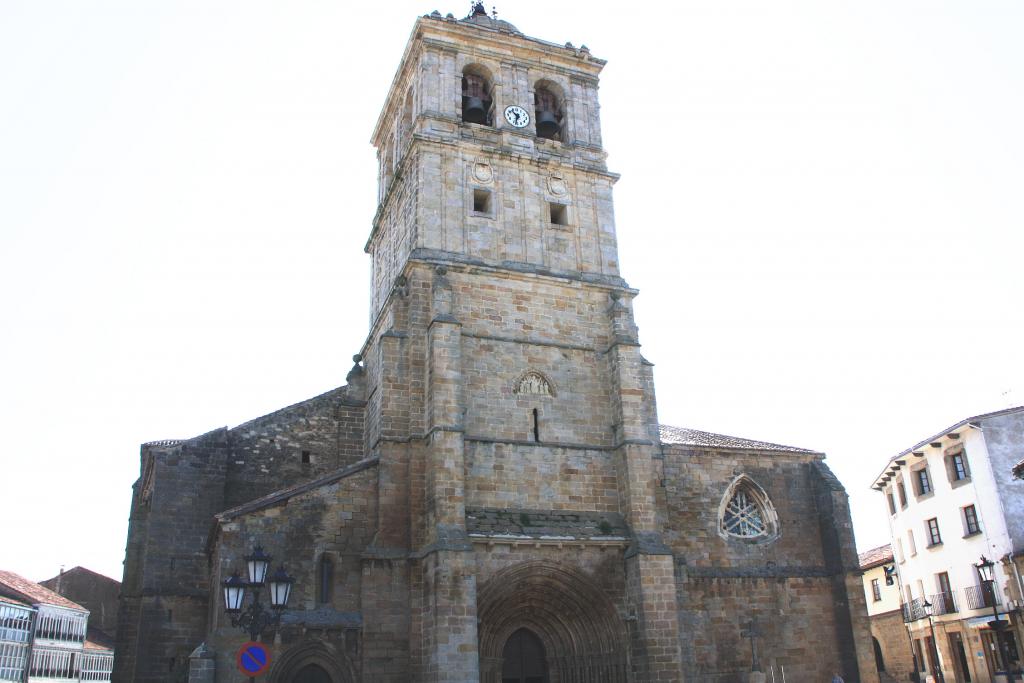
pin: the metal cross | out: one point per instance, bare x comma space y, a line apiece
753, 631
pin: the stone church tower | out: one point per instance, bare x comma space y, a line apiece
491, 497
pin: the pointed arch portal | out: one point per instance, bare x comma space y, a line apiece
548, 623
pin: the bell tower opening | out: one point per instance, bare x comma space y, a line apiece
549, 112
523, 659
476, 97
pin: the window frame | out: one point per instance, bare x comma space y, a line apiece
902, 491
967, 517
923, 483
934, 535
958, 475
876, 590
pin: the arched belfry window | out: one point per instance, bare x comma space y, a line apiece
548, 105
476, 97
746, 513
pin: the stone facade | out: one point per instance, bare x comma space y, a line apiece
494, 471
95, 592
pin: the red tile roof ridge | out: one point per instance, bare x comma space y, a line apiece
19, 587
875, 556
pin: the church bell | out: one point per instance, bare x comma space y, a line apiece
475, 101
547, 115
547, 124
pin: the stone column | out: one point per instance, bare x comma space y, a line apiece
650, 567
448, 568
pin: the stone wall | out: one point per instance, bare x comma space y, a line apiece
802, 589
333, 516
95, 592
183, 484
1003, 436
890, 632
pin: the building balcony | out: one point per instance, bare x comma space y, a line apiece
980, 597
913, 610
943, 603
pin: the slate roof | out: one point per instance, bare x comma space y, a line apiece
545, 524
684, 436
18, 587
876, 556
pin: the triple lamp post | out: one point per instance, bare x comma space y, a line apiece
256, 618
986, 570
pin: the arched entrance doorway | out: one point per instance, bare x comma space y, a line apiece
559, 612
523, 659
879, 659
311, 673
313, 661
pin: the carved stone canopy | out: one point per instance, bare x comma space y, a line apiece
533, 383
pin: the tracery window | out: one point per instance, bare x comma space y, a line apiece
743, 516
746, 512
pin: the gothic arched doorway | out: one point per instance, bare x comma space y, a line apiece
311, 673
313, 661
573, 625
523, 659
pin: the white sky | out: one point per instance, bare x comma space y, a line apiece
820, 204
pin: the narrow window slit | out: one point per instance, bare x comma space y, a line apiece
536, 426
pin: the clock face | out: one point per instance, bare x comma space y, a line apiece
517, 116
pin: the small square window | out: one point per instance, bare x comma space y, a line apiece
559, 214
481, 201
307, 457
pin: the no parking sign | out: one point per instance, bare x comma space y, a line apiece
253, 659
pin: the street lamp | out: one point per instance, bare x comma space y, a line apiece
256, 618
986, 570
929, 612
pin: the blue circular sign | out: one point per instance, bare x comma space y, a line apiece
253, 659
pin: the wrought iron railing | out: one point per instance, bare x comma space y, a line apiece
981, 597
943, 603
913, 610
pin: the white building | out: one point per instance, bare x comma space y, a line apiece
952, 499
45, 637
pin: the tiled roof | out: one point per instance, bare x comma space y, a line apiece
96, 639
947, 430
9, 600
545, 524
694, 437
17, 586
95, 576
876, 556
